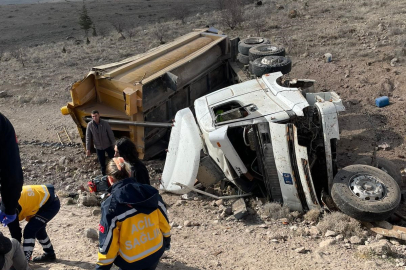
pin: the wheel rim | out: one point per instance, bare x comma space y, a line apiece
367, 187
271, 49
254, 40
269, 61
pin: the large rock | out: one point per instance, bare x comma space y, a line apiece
89, 200
62, 161
355, 240
300, 250
328, 242
96, 212
92, 234
239, 209
314, 231
380, 248
330, 233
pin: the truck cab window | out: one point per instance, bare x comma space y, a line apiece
230, 111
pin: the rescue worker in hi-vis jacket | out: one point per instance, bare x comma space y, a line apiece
38, 204
134, 230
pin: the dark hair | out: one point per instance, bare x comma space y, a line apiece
118, 174
95, 111
126, 149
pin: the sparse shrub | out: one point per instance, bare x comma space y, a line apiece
312, 215
85, 21
257, 19
94, 33
276, 211
19, 55
24, 99
232, 13
118, 26
395, 31
341, 224
132, 31
160, 32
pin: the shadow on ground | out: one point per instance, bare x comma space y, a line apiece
175, 265
79, 264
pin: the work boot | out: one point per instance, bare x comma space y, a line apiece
45, 257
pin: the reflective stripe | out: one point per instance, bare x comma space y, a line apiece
46, 246
113, 225
107, 261
29, 241
163, 208
28, 248
142, 254
44, 241
166, 234
45, 197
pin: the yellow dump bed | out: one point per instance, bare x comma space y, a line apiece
152, 87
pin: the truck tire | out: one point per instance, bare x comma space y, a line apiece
269, 64
265, 50
246, 44
365, 193
385, 165
244, 59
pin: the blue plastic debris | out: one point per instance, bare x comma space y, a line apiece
382, 101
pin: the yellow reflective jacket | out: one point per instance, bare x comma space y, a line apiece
31, 200
134, 229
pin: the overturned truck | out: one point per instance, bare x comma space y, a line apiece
276, 137
240, 122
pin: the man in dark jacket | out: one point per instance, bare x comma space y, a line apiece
11, 174
99, 134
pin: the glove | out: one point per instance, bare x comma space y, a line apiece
167, 243
6, 219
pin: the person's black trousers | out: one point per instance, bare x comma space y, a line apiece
153, 267
36, 228
101, 156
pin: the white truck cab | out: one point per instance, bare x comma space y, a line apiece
270, 135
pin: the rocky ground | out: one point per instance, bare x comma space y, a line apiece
39, 61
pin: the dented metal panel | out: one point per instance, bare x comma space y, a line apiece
219, 139
329, 120
183, 152
285, 171
304, 172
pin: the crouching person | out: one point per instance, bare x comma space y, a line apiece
134, 229
11, 254
38, 204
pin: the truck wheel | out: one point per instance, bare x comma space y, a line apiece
385, 165
246, 44
365, 193
244, 59
269, 64
265, 50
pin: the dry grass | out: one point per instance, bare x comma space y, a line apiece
312, 215
341, 224
276, 211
